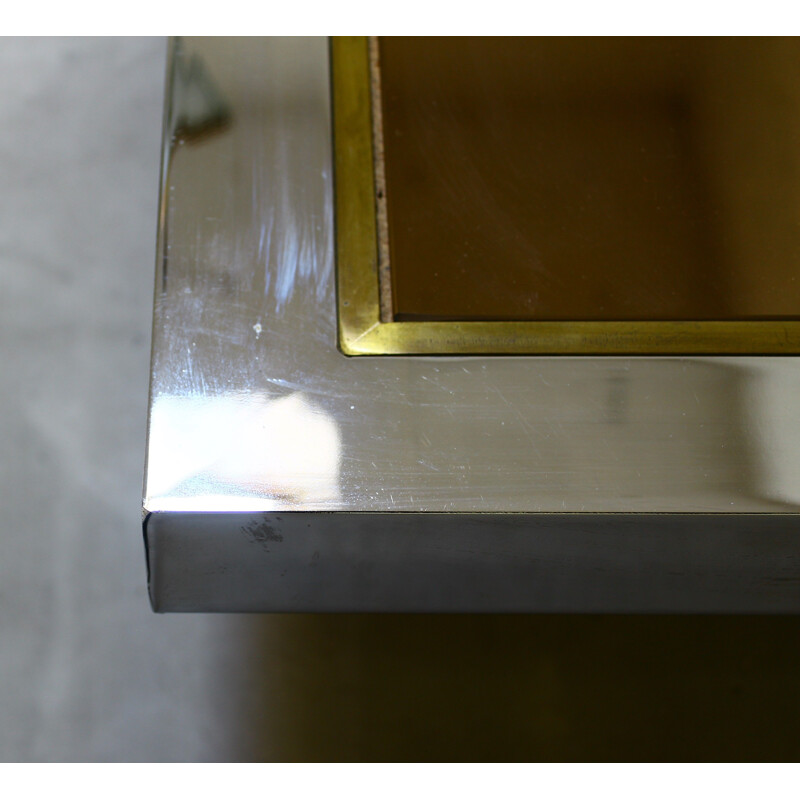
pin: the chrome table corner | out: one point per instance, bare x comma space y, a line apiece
283, 475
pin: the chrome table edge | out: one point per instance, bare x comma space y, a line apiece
607, 483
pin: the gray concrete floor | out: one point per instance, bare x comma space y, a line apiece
87, 672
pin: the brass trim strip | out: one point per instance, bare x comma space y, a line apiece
361, 329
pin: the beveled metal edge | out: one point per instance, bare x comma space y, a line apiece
356, 238
361, 330
160, 272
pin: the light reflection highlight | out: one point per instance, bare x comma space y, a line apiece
242, 452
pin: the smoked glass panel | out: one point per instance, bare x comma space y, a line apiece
592, 178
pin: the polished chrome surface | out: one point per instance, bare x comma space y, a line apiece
253, 408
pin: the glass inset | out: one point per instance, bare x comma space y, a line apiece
592, 178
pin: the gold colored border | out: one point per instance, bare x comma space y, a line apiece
361, 331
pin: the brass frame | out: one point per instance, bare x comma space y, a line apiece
362, 330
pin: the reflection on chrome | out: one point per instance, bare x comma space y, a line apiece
232, 453
197, 106
774, 417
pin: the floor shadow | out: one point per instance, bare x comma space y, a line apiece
473, 688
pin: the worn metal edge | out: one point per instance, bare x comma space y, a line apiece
414, 562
